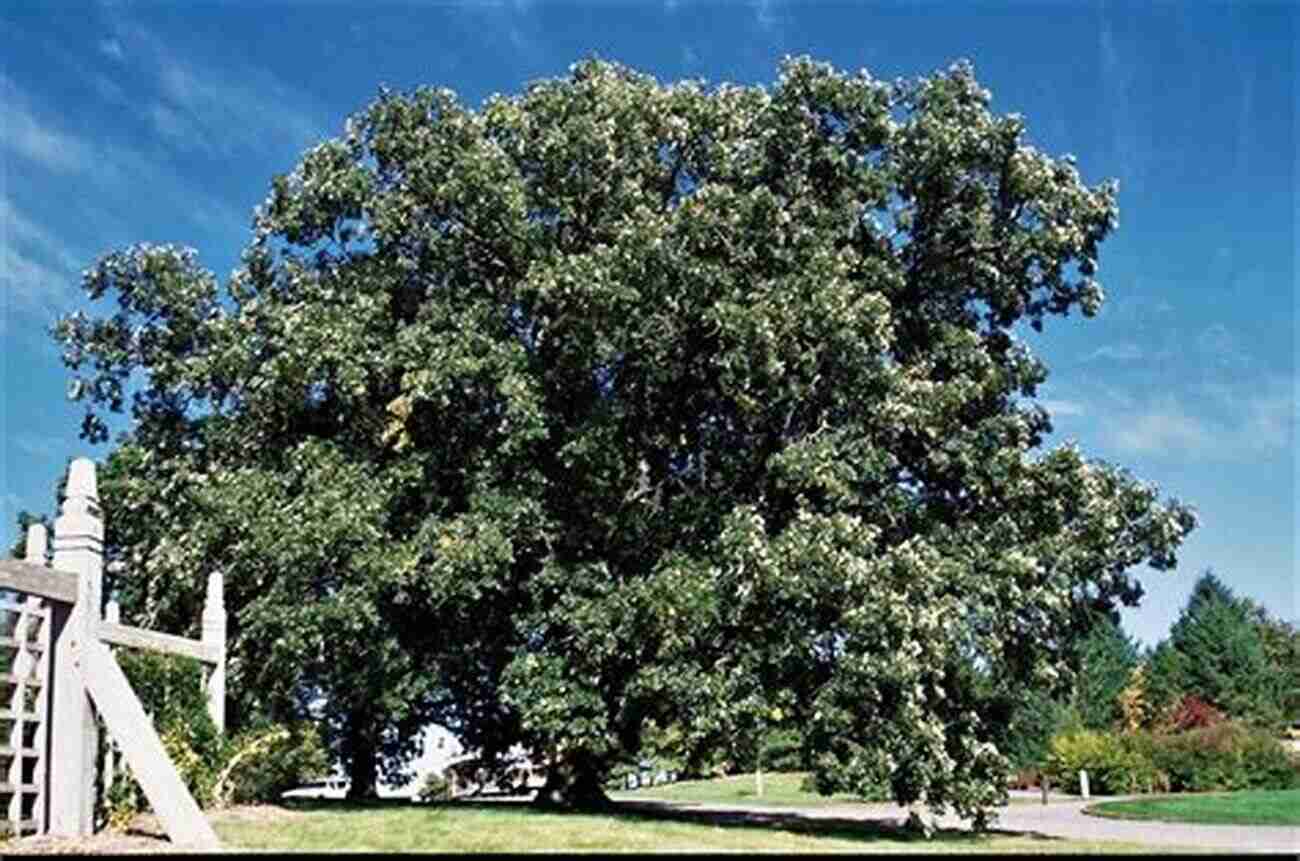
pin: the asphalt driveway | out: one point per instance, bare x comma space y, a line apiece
1060, 818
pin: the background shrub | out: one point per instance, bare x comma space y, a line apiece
266, 760
257, 765
1117, 763
434, 788
1231, 755
170, 688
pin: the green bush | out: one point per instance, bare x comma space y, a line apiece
1117, 763
257, 765
1225, 757
434, 788
266, 760
783, 751
170, 688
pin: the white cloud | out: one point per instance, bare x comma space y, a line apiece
1126, 352
1215, 421
112, 49
1222, 346
23, 133
219, 110
1163, 428
1062, 407
764, 14
36, 267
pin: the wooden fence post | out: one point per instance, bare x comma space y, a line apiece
78, 548
214, 635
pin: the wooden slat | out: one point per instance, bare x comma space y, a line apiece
38, 580
5, 750
26, 717
15, 643
19, 787
140, 638
133, 731
11, 679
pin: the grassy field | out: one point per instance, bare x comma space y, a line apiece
1281, 807
779, 789
510, 827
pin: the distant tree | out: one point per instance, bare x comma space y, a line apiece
1215, 652
616, 402
1108, 657
1281, 641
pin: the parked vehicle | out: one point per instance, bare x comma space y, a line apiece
334, 787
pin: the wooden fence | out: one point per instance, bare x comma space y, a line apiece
58, 674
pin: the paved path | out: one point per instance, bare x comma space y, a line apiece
1056, 819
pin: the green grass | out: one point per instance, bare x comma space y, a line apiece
1277, 807
780, 789
507, 827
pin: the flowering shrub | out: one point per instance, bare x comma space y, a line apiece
1192, 712
1227, 756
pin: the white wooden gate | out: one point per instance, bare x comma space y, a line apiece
60, 673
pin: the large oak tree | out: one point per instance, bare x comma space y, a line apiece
616, 401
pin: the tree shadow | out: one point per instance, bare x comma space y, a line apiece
864, 829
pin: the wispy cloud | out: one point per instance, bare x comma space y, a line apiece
765, 14
1164, 427
1117, 75
220, 110
37, 140
37, 268
1126, 352
1212, 421
112, 49
1062, 407
1221, 346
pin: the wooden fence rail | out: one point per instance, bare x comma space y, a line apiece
57, 673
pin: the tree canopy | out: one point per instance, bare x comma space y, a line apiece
614, 402
1217, 651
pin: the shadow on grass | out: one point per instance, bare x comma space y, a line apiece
795, 822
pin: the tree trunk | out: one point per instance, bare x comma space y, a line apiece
363, 757
573, 783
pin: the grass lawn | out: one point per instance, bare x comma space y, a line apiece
1277, 807
512, 827
779, 789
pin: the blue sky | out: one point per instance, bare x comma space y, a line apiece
130, 122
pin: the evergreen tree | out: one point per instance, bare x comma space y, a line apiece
1108, 658
1215, 651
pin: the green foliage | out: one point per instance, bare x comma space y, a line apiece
1116, 763
616, 401
783, 750
1108, 658
1228, 756
265, 760
1036, 719
1216, 652
434, 787
254, 766
170, 688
